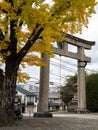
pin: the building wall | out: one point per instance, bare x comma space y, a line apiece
29, 108
23, 97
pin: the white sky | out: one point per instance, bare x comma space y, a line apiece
63, 66
91, 34
59, 68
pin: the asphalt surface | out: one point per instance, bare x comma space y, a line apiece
58, 122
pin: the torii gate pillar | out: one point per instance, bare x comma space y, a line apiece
42, 109
81, 82
44, 86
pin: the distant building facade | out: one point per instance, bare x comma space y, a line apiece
55, 101
28, 100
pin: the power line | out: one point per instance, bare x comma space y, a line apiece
57, 75
67, 62
73, 64
34, 78
63, 67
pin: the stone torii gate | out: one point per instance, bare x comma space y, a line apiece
82, 61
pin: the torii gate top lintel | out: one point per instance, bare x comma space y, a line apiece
81, 44
79, 41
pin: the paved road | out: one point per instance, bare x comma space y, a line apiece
58, 122
80, 116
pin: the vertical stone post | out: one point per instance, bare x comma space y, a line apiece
81, 82
42, 110
44, 86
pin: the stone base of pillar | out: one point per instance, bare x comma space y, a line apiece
43, 114
80, 111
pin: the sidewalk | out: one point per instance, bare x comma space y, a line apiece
81, 116
72, 115
58, 122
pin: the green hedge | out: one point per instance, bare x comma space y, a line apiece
92, 92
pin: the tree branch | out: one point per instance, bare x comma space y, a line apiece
3, 10
68, 5
1, 35
34, 36
20, 11
4, 51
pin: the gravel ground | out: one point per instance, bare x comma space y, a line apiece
55, 123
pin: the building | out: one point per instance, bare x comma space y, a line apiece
28, 100
55, 101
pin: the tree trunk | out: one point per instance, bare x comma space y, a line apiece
8, 92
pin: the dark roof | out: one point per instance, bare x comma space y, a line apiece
27, 93
51, 104
54, 95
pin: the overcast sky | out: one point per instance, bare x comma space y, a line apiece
91, 34
62, 67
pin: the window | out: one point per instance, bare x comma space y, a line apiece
30, 100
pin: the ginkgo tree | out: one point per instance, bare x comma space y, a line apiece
29, 26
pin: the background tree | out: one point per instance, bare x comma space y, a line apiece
69, 90
92, 92
32, 26
1, 83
